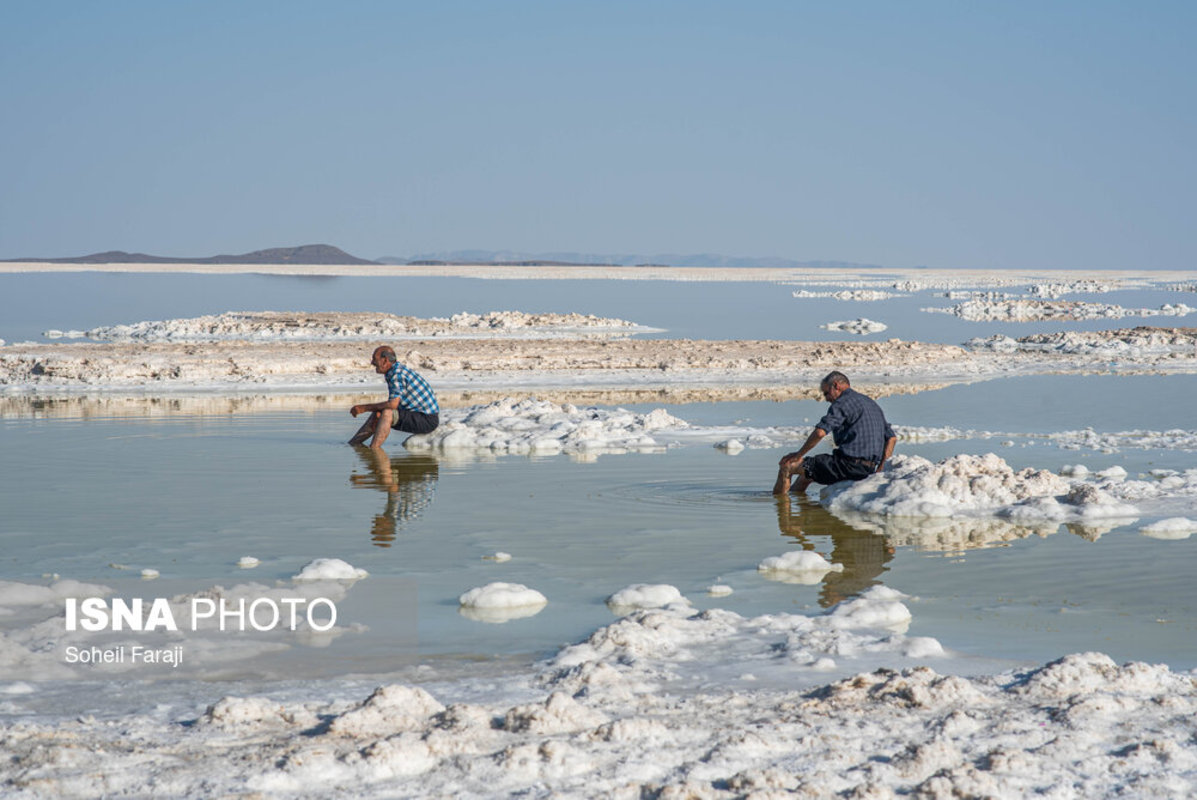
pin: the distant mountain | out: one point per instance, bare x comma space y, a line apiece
304, 254
507, 257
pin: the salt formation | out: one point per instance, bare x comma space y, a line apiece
329, 569
798, 566
500, 601
1034, 310
1126, 343
644, 595
300, 326
248, 562
1171, 528
860, 326
653, 705
859, 295
533, 426
912, 486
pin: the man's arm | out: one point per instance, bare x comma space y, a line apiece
812, 441
392, 404
889, 451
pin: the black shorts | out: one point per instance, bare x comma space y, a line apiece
833, 467
408, 421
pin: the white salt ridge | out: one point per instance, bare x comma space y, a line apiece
645, 595
912, 486
329, 569
1088, 439
859, 295
860, 326
316, 326
533, 426
1121, 344
1038, 310
500, 557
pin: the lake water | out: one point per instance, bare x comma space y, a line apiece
100, 498
33, 303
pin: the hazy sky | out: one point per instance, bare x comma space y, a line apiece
945, 134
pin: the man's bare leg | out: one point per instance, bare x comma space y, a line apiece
782, 485
364, 432
382, 426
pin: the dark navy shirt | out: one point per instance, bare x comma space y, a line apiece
858, 425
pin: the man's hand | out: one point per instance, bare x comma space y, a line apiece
790, 461
355, 410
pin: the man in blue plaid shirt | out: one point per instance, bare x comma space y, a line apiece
410, 406
864, 441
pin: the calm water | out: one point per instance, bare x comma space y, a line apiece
33, 303
188, 495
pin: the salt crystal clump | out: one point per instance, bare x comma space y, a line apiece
719, 590
645, 595
798, 566
1171, 528
500, 602
240, 712
149, 574
248, 562
880, 607
913, 486
329, 569
389, 710
731, 446
860, 326
533, 426
500, 557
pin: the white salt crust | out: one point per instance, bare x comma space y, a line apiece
860, 326
667, 703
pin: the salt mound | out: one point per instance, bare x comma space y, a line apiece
533, 426
329, 569
1171, 528
985, 485
860, 326
645, 595
500, 602
798, 566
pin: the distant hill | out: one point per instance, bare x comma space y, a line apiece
304, 254
509, 258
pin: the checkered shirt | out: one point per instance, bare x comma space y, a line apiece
413, 391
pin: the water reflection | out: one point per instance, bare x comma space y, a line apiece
409, 481
863, 553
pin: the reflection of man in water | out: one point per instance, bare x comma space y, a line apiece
863, 554
410, 406
408, 480
863, 441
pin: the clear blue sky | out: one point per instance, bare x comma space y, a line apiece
945, 134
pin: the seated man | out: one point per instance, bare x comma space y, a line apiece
863, 439
410, 407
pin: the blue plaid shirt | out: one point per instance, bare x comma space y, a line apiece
858, 426
413, 392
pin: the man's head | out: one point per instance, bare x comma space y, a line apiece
834, 385
383, 358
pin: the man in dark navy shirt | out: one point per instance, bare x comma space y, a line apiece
864, 441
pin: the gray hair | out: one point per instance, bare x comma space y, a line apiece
834, 378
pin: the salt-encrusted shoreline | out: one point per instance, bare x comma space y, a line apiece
484, 364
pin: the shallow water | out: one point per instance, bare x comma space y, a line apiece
99, 500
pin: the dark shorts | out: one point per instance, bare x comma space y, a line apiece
408, 421
833, 467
